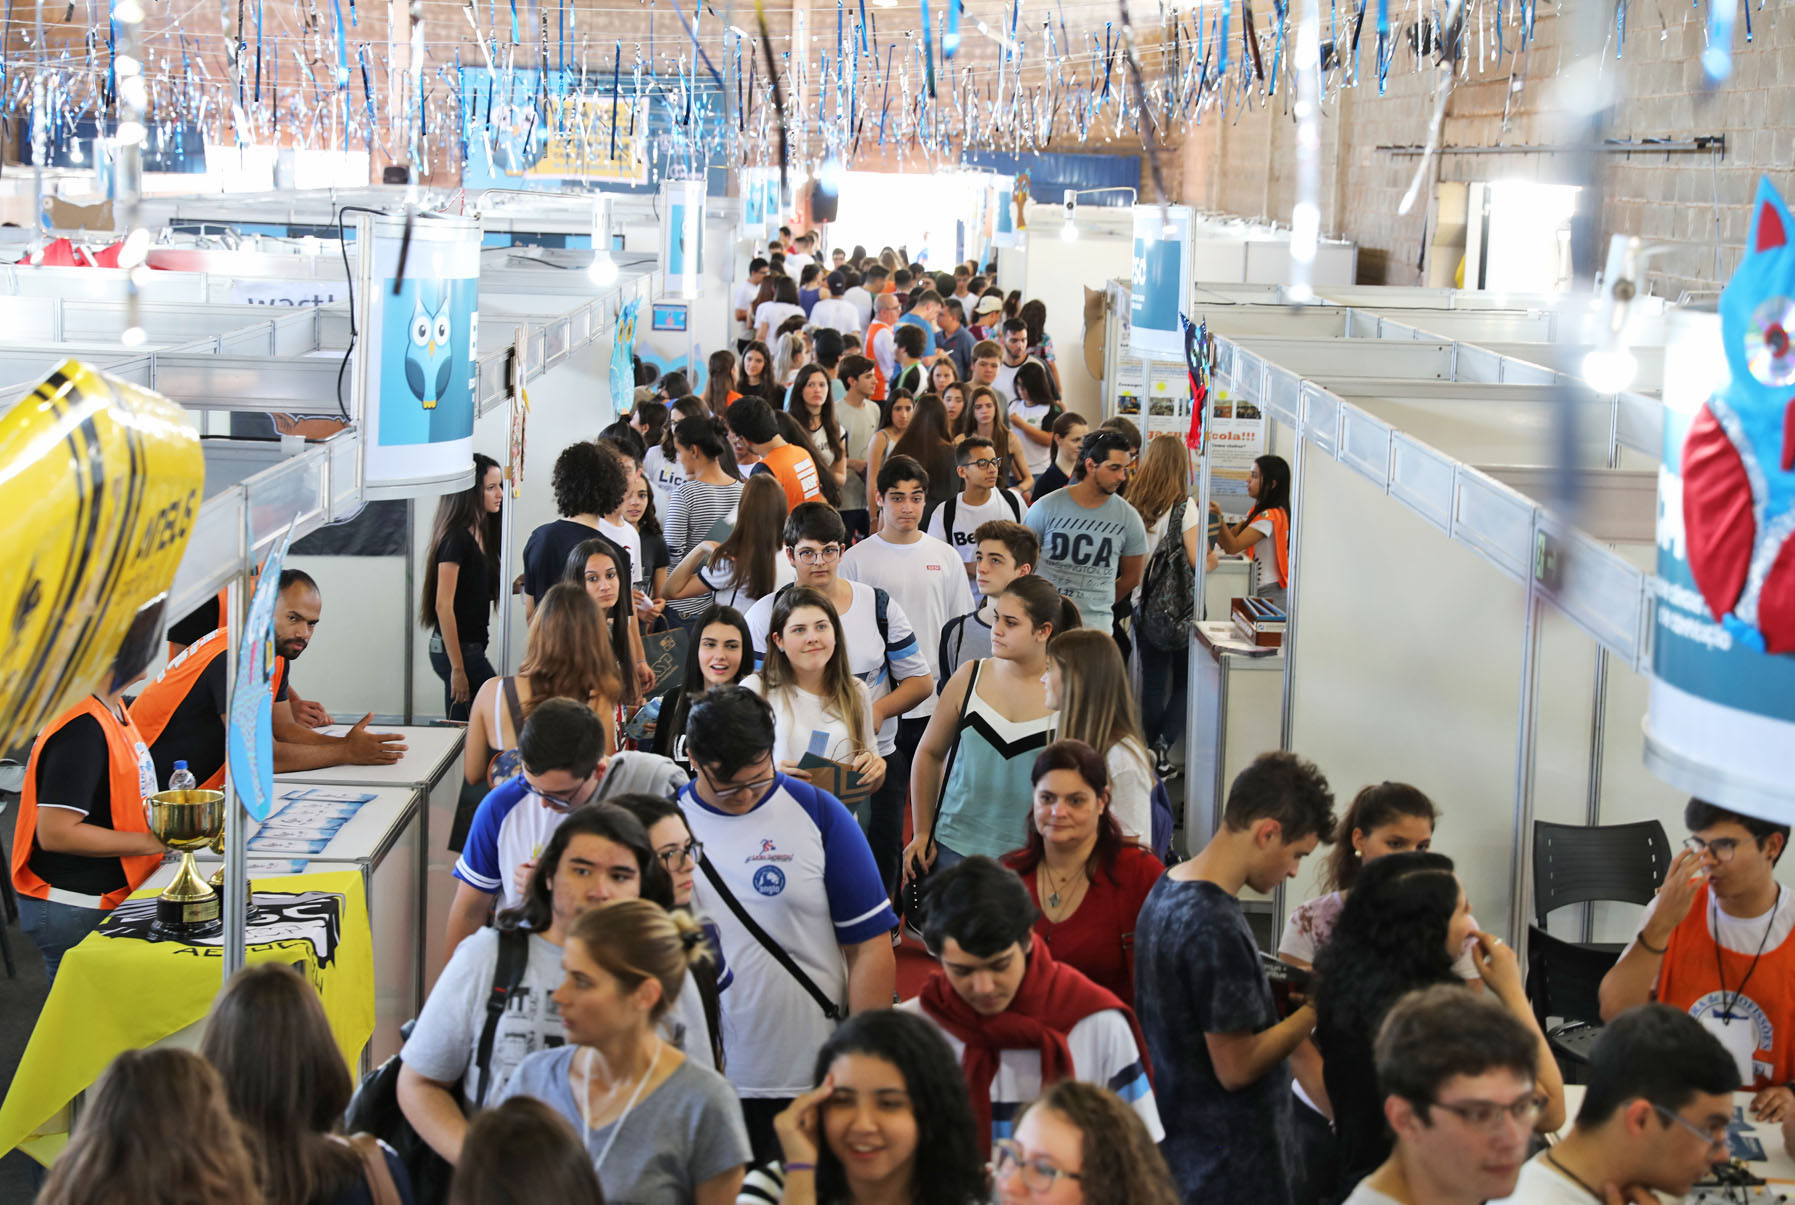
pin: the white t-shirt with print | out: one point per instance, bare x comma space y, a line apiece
927, 579
867, 653
968, 519
1537, 1185
664, 477
805, 723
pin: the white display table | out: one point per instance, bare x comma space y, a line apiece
432, 767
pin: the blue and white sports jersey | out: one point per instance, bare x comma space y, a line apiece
869, 652
1103, 1052
800, 866
513, 825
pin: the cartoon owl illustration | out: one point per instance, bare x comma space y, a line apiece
1739, 457
427, 358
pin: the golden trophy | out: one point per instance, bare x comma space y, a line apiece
186, 820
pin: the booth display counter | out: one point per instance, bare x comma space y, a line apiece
1236, 699
431, 768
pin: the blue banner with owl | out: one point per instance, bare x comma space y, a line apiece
425, 389
623, 364
1722, 720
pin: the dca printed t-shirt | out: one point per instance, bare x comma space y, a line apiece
798, 864
1082, 549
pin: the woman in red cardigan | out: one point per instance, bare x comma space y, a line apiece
1088, 881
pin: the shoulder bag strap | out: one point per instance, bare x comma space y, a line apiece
514, 955
1014, 502
830, 1008
515, 707
381, 1189
953, 751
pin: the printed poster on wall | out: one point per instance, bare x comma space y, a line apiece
1168, 399
1162, 280
1003, 215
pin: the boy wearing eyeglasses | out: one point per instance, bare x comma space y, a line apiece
560, 746
883, 652
1716, 944
980, 500
1658, 1101
1457, 1073
789, 857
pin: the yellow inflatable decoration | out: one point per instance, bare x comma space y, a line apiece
99, 484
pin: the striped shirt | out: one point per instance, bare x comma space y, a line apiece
692, 511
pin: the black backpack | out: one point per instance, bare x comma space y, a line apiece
1168, 589
949, 505
375, 1107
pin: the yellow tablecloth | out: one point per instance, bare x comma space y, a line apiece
122, 990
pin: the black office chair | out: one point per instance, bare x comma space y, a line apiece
1564, 980
1575, 864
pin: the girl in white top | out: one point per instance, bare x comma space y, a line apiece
748, 565
819, 706
772, 314
1088, 684
894, 418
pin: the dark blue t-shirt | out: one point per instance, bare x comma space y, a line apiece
1196, 971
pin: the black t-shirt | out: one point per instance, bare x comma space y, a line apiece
654, 556
74, 771
546, 553
191, 628
1048, 481
195, 731
473, 586
1196, 971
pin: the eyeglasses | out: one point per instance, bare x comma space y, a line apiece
680, 855
1488, 1114
721, 792
1722, 848
1716, 1136
810, 556
562, 803
984, 462
1039, 1174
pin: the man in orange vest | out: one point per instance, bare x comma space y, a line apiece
880, 347
81, 843
181, 715
751, 419
1719, 943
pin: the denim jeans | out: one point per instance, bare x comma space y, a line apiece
56, 928
1164, 695
473, 660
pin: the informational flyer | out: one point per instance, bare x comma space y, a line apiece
1168, 399
1130, 385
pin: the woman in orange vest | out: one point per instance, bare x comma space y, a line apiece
1266, 529
81, 843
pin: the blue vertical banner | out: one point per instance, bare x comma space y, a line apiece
249, 740
623, 368
682, 237
1003, 213
1161, 279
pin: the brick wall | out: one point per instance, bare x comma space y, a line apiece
1247, 166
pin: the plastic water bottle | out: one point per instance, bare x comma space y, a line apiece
182, 779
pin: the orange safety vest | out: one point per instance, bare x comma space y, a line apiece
131, 779
157, 704
1280, 540
1701, 981
796, 472
872, 332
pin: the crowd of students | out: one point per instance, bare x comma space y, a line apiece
903, 572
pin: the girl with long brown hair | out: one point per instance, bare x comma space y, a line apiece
156, 1130
719, 381
461, 586
928, 441
1088, 684
986, 415
750, 563
755, 376
812, 403
288, 1085
895, 413
566, 658
807, 680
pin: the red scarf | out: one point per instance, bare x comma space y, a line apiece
1052, 999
